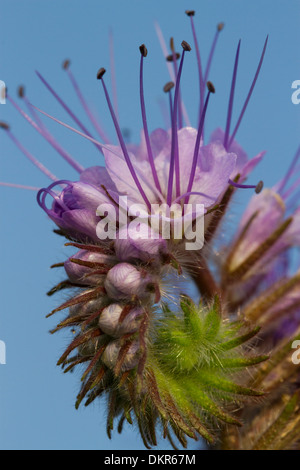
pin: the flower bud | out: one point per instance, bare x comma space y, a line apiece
111, 354
80, 274
110, 316
87, 308
124, 281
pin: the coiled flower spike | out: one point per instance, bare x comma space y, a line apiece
166, 363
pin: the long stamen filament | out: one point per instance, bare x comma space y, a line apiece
202, 82
65, 106
249, 94
143, 51
49, 138
231, 98
211, 89
90, 115
290, 172
30, 157
121, 140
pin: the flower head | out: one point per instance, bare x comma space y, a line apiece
161, 359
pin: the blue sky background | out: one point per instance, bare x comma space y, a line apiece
36, 399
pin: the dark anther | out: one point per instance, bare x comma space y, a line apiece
100, 73
21, 91
185, 45
220, 26
190, 12
210, 87
170, 57
259, 187
168, 87
143, 50
3, 125
66, 64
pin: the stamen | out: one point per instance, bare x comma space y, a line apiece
249, 94
20, 186
109, 149
290, 191
211, 89
174, 143
144, 53
258, 188
42, 194
30, 157
230, 105
190, 12
64, 105
22, 95
175, 57
113, 73
100, 74
191, 193
49, 138
90, 115
220, 28
169, 67
167, 89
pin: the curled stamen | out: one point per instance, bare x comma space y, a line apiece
100, 74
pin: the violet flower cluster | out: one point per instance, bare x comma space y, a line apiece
166, 363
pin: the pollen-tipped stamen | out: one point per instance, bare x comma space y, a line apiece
258, 187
